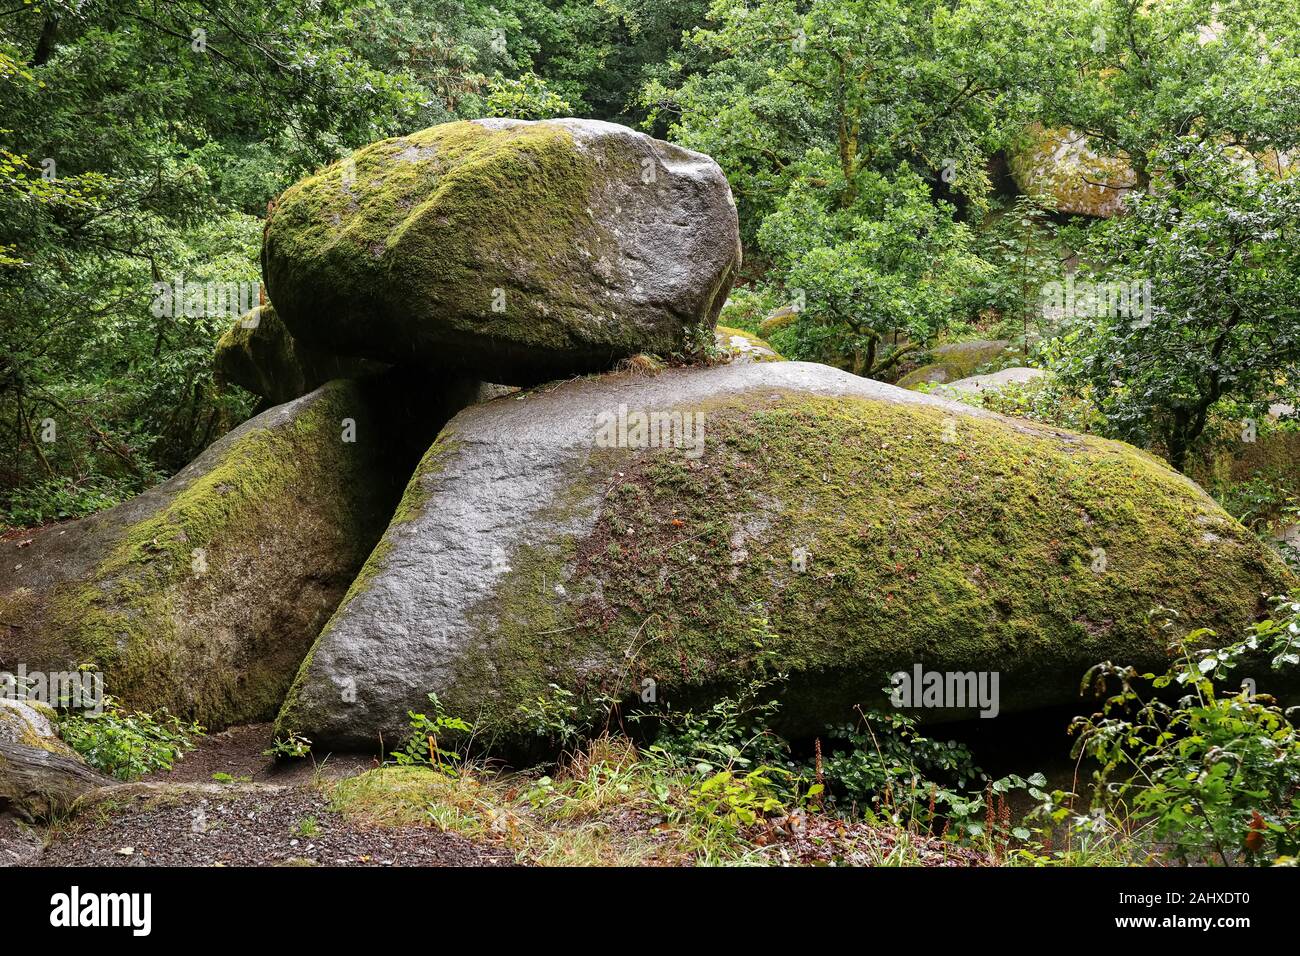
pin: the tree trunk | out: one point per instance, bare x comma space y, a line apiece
45, 43
39, 785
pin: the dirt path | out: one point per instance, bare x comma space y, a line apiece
239, 753
266, 814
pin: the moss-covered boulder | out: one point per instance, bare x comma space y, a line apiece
516, 251
1061, 168
782, 318
1256, 470
957, 360
203, 594
811, 521
740, 346
257, 353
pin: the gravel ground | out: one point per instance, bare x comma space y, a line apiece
271, 826
272, 814
19, 844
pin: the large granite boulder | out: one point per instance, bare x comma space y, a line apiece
203, 594
702, 526
1063, 169
515, 251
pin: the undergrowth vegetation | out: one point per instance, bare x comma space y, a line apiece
1184, 770
129, 744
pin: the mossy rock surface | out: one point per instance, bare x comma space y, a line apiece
32, 725
203, 594
742, 347
257, 353
1061, 168
870, 527
514, 251
953, 361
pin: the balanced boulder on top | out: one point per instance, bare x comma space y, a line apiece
515, 251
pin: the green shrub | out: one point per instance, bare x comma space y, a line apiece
58, 498
888, 768
129, 744
422, 746
1216, 775
731, 734
290, 746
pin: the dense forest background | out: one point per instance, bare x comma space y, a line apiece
865, 140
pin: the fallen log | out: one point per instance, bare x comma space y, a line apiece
39, 785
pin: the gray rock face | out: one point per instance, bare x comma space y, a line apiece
549, 537
514, 251
992, 382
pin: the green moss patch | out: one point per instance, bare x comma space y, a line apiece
841, 539
207, 606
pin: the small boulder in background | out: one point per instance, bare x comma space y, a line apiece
741, 347
992, 382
